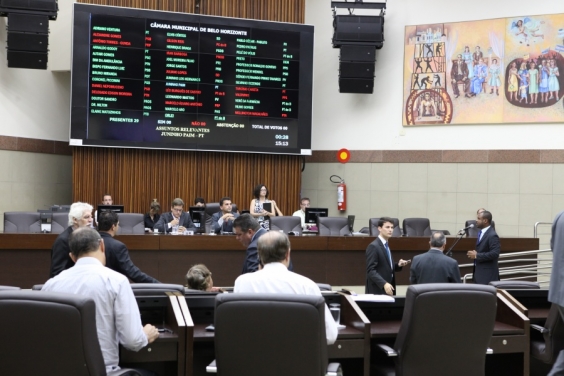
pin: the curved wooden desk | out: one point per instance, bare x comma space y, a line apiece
25, 259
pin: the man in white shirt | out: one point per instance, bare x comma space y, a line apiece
117, 315
274, 277
304, 203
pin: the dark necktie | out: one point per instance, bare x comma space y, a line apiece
389, 255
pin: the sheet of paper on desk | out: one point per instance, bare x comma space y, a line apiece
373, 298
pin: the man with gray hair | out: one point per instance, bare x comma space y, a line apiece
80, 215
433, 266
274, 277
117, 315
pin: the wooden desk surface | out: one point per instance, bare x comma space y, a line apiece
25, 259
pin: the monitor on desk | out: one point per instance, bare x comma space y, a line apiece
311, 214
114, 208
198, 215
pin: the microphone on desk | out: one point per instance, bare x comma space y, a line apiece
466, 228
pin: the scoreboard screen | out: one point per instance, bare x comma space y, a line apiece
163, 80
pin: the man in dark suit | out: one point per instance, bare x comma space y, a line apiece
380, 266
117, 254
222, 221
556, 289
176, 217
434, 266
487, 251
248, 231
459, 73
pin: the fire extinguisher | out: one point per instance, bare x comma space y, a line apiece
341, 193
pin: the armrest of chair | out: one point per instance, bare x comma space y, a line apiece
124, 371
211, 368
387, 350
541, 329
334, 369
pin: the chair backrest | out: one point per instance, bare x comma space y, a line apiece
416, 227
149, 289
548, 350
270, 334
9, 288
373, 225
445, 329
211, 209
131, 223
473, 232
286, 224
515, 285
234, 208
59, 222
324, 286
37, 287
333, 226
60, 331
22, 222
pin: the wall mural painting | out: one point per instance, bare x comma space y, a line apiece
508, 70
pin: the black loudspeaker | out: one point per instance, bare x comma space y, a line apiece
356, 85
44, 7
28, 42
356, 70
28, 23
363, 30
29, 60
358, 53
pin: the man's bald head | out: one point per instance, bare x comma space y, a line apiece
273, 247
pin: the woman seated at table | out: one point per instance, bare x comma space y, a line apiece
153, 215
199, 278
257, 210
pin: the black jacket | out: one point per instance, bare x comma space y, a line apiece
60, 259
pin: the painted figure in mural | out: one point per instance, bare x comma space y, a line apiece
553, 74
429, 48
523, 81
467, 56
418, 65
527, 28
437, 79
520, 31
477, 55
459, 73
427, 107
543, 81
534, 79
480, 74
495, 71
424, 82
428, 64
438, 49
512, 82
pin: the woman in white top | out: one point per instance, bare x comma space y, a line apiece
256, 209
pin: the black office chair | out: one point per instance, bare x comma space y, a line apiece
9, 288
324, 286
286, 224
270, 334
59, 222
416, 227
515, 285
373, 225
473, 232
547, 341
50, 333
211, 209
445, 331
131, 223
333, 226
147, 289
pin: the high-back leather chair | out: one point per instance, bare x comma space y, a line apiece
373, 225
515, 285
546, 346
59, 222
57, 330
416, 227
148, 289
270, 334
234, 208
37, 287
286, 224
9, 288
333, 226
445, 330
473, 232
22, 222
131, 223
211, 209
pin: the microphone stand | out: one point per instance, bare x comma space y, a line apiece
449, 252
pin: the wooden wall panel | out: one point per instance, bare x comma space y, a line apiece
134, 176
